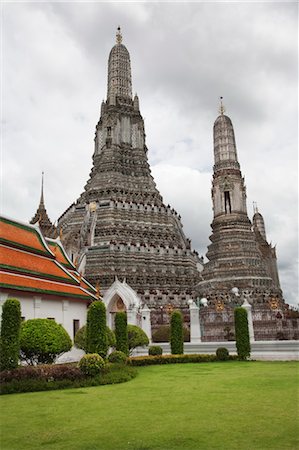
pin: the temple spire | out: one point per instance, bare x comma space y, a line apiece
42, 191
225, 149
119, 72
41, 216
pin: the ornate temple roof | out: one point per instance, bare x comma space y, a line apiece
31, 264
41, 216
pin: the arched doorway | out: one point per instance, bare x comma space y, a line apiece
116, 304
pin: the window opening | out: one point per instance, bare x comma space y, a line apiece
227, 202
76, 326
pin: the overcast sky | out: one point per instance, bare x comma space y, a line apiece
183, 56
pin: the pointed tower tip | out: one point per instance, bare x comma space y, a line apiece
119, 37
42, 190
221, 107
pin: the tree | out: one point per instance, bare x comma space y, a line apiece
10, 334
137, 337
176, 333
121, 333
80, 338
96, 329
42, 341
242, 333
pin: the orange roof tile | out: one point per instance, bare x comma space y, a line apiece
60, 254
23, 236
14, 260
30, 284
83, 283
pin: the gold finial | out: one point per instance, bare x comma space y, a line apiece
119, 37
98, 290
221, 107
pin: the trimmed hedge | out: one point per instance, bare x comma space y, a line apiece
80, 338
10, 334
70, 376
96, 329
53, 372
121, 333
176, 333
155, 350
117, 357
173, 359
136, 337
42, 340
242, 333
162, 334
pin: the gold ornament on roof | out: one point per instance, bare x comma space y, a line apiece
119, 37
274, 303
92, 206
98, 290
169, 308
219, 306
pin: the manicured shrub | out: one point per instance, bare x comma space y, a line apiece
91, 364
67, 376
174, 359
117, 357
162, 334
80, 338
42, 340
96, 329
137, 337
121, 332
51, 372
242, 333
155, 350
176, 333
10, 334
222, 354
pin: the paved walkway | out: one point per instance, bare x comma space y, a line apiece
260, 350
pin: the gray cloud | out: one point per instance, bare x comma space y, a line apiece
184, 56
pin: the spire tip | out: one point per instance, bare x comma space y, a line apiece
119, 37
221, 107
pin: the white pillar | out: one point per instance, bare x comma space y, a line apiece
67, 318
195, 333
248, 308
132, 315
146, 322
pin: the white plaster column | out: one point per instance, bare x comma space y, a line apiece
66, 319
195, 332
37, 302
146, 321
132, 315
248, 308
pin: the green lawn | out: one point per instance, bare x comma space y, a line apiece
233, 405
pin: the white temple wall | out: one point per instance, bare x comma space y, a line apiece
63, 310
